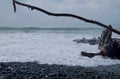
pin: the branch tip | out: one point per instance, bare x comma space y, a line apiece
14, 6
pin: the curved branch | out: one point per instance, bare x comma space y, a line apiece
64, 15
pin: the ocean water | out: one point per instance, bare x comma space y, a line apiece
50, 46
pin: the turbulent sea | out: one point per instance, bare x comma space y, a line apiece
50, 46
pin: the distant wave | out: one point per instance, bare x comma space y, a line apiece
82, 31
38, 28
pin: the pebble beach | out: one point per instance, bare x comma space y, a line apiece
33, 70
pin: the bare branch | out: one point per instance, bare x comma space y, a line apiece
14, 6
64, 15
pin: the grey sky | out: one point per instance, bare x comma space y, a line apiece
106, 11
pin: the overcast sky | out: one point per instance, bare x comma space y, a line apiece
106, 11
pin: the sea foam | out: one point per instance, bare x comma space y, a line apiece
49, 47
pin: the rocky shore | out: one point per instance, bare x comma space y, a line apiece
33, 70
92, 41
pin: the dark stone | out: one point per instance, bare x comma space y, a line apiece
92, 41
5, 76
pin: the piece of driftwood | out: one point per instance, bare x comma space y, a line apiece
112, 52
107, 46
90, 55
63, 15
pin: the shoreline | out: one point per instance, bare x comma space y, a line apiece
33, 70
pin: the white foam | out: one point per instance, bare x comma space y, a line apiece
50, 48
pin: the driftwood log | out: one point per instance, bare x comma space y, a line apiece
107, 46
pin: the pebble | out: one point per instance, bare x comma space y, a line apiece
31, 70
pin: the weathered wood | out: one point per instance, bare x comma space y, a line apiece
107, 46
64, 15
105, 38
90, 55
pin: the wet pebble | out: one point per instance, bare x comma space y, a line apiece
31, 70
